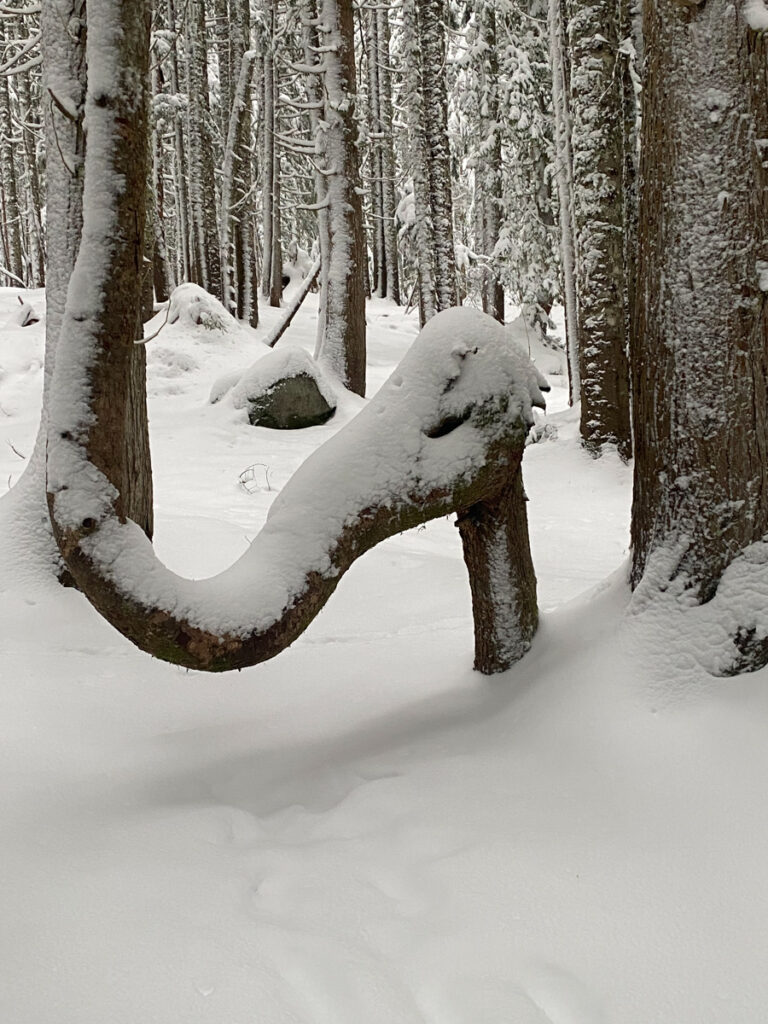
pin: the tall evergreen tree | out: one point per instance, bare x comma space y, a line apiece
700, 335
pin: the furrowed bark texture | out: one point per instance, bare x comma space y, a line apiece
596, 112
497, 553
700, 340
343, 344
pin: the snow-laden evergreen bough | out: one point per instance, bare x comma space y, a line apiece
445, 433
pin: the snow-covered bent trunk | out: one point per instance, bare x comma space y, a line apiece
445, 433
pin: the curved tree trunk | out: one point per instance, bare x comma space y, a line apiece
446, 432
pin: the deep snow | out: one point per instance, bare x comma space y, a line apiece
363, 830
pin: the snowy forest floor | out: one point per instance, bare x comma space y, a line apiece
364, 830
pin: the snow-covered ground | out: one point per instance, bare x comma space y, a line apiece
364, 830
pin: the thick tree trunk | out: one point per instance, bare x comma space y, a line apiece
23, 511
700, 339
497, 554
113, 235
598, 209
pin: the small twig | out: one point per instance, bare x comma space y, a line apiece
143, 341
16, 451
248, 475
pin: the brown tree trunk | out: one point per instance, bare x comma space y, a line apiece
120, 448
597, 119
700, 338
497, 553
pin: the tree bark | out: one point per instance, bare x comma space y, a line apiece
115, 106
342, 347
497, 553
700, 336
598, 210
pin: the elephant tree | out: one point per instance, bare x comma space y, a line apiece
445, 433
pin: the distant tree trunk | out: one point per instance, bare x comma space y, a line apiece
376, 174
427, 103
564, 176
488, 168
597, 121
181, 185
700, 337
29, 112
342, 346
11, 210
388, 194
272, 263
162, 275
314, 93
206, 263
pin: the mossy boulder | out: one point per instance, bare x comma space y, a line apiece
284, 390
289, 404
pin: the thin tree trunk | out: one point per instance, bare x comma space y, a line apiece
343, 343
598, 210
388, 195
564, 176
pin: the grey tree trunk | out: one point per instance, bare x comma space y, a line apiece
488, 169
427, 104
558, 55
700, 335
11, 209
388, 194
342, 346
206, 263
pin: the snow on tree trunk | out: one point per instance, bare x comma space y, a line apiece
313, 88
596, 111
233, 156
427, 105
23, 510
342, 348
206, 263
388, 196
700, 337
11, 210
184, 243
376, 173
488, 165
104, 290
501, 576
